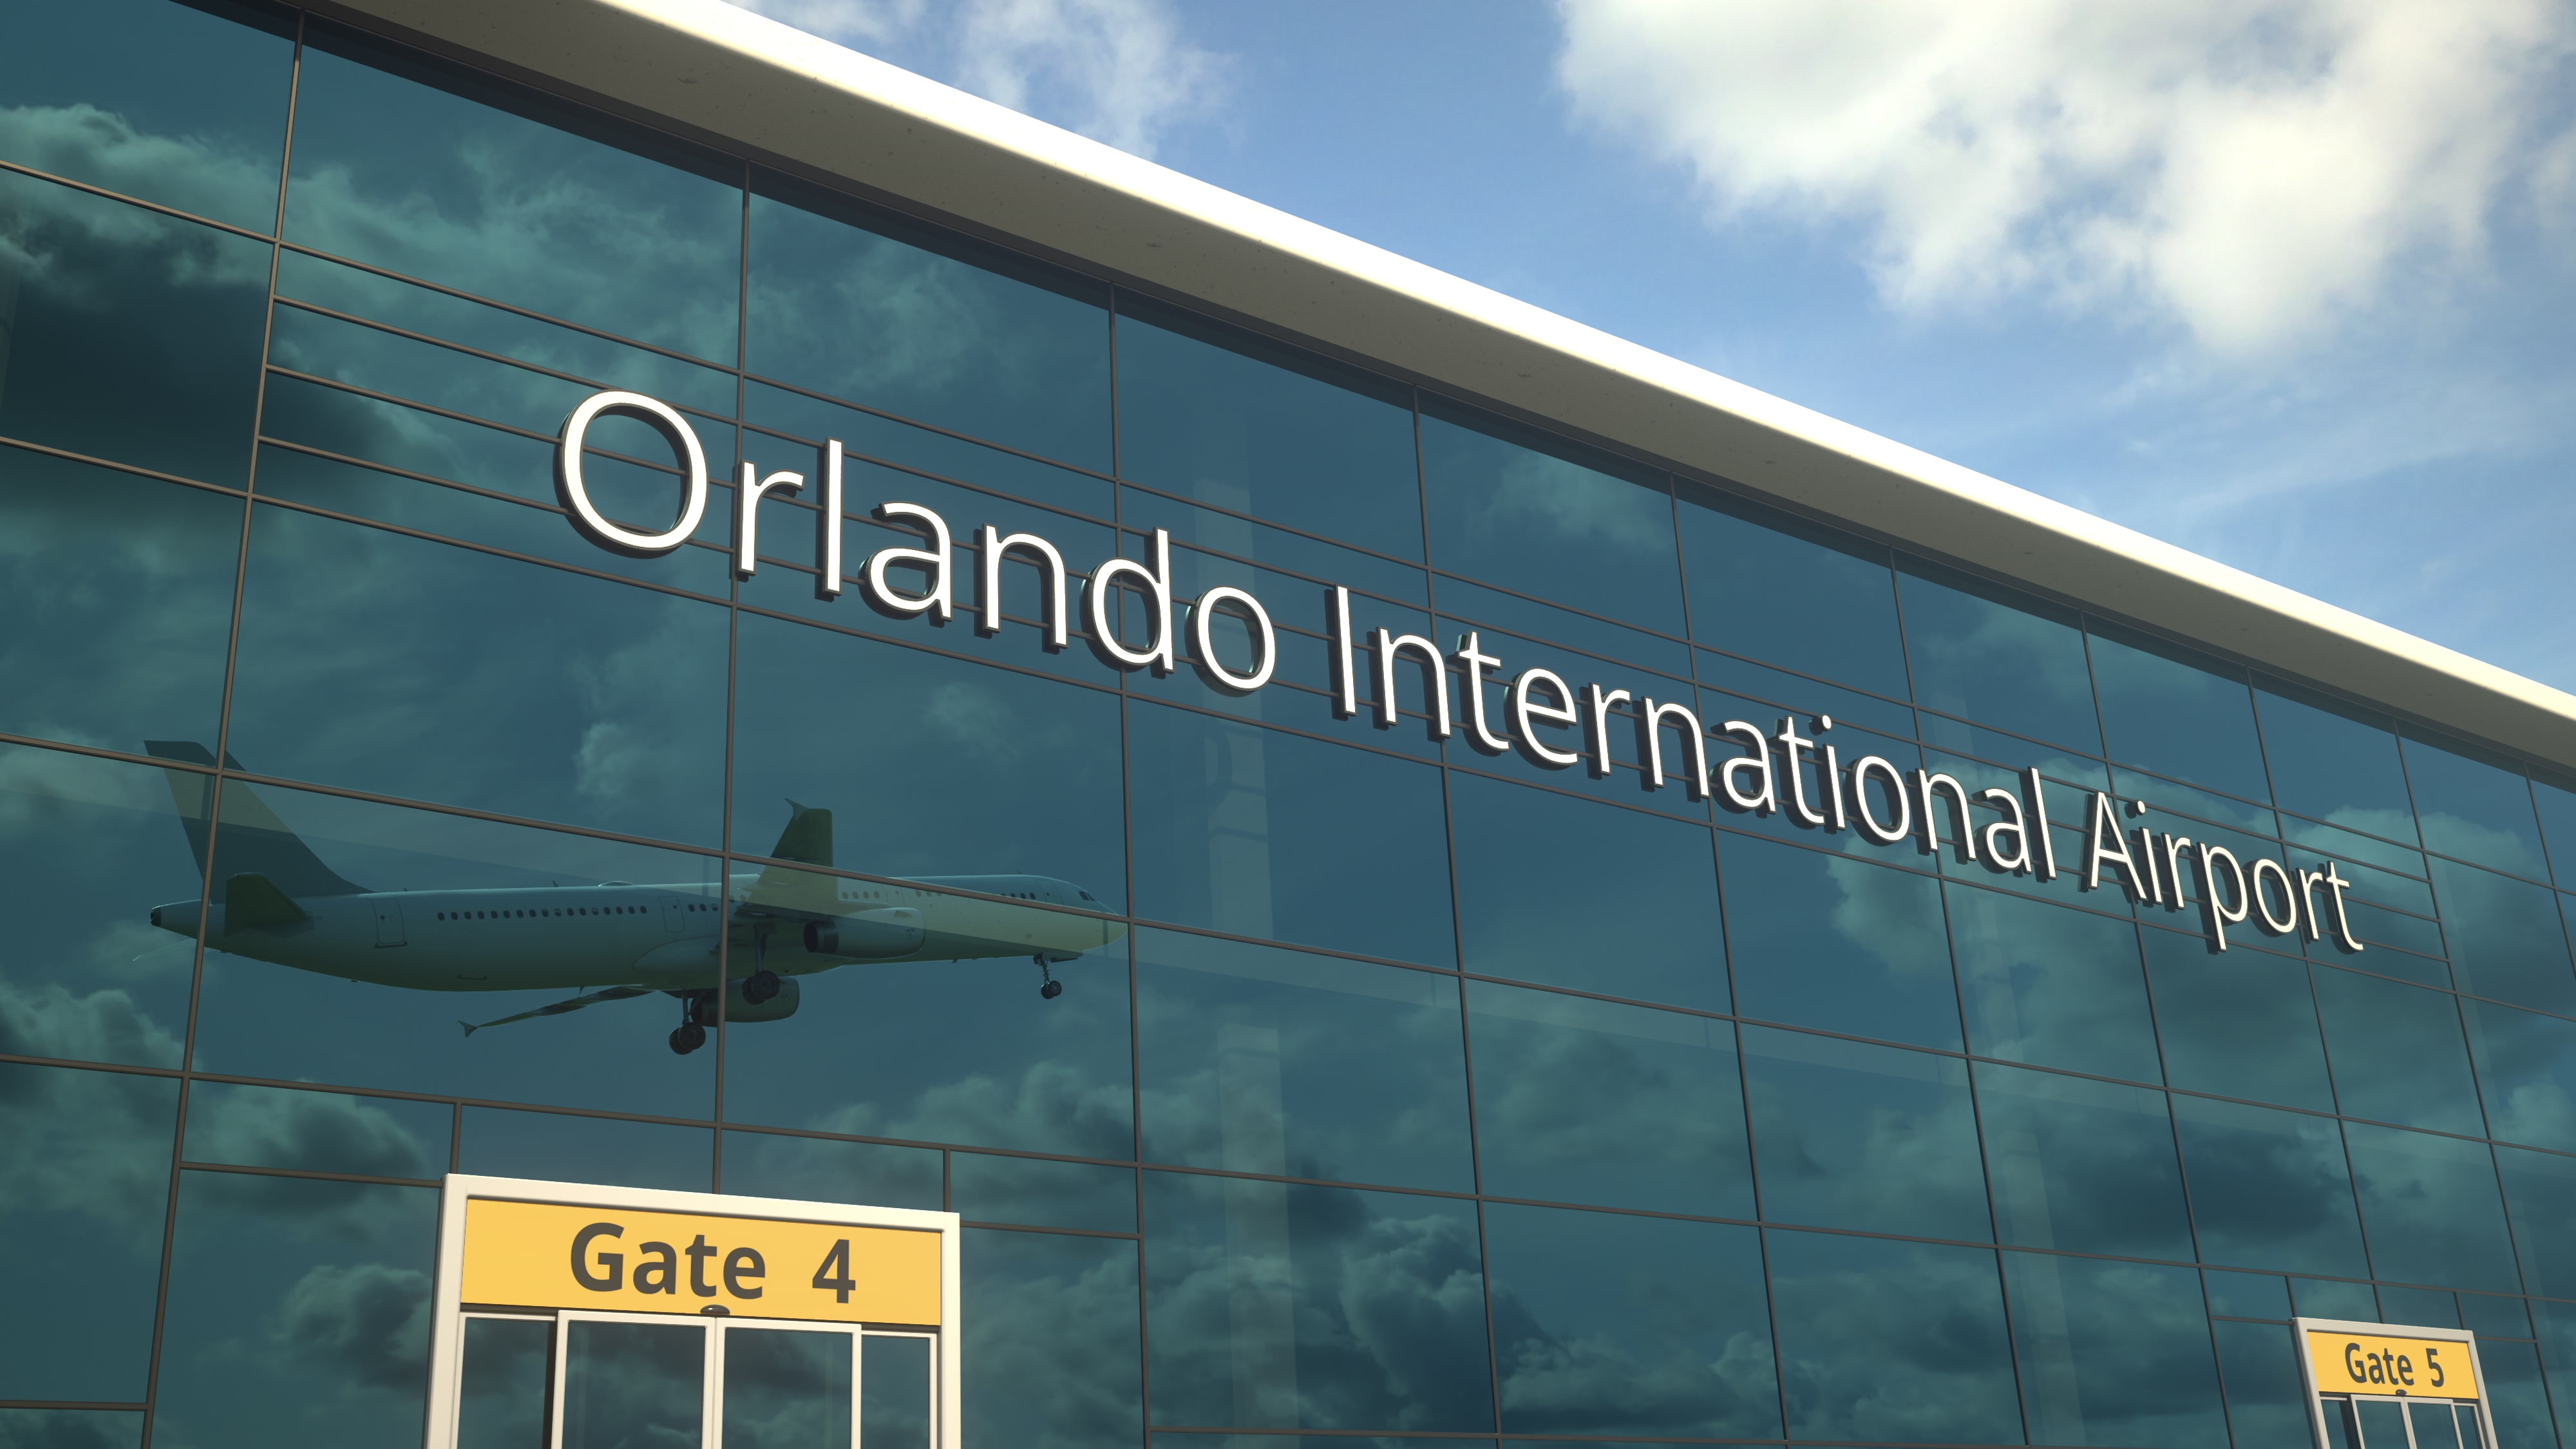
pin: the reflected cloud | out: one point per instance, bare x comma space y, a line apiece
366, 1322
1050, 1353
1050, 1103
105, 1025
90, 1143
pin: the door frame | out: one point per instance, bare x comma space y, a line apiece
446, 1348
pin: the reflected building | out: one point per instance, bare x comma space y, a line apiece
1416, 1045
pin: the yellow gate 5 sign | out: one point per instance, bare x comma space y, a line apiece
2376, 1363
553, 1255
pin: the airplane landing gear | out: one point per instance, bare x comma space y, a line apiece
760, 986
1052, 988
691, 1033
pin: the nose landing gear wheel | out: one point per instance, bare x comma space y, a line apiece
1052, 988
687, 1037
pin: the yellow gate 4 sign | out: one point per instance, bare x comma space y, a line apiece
2378, 1363
555, 1255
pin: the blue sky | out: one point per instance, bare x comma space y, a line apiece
2291, 283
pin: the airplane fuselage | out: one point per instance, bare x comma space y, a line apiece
659, 936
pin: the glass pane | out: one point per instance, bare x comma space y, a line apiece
501, 1385
298, 1312
2475, 808
2398, 1052
2516, 1399
1892, 1342
1833, 942
2383, 1423
1990, 655
1041, 1193
112, 666
820, 1169
2080, 1164
1620, 1325
2269, 1189
1257, 428
133, 337
1871, 1138
2239, 1025
2527, 1066
1778, 588
317, 1131
186, 103
965, 338
2556, 803
2540, 1189
1595, 1102
2320, 1298
72, 1428
2333, 762
2507, 940
2431, 1209
434, 174
1650, 927
788, 1389
634, 1385
2265, 1403
87, 1177
894, 1403
560, 1147
1280, 1305
1052, 1343
1255, 1059
2247, 1295
2088, 1333
2177, 712
1540, 516
1259, 833
2052, 986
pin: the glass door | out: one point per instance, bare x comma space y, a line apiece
576, 1380
2377, 1423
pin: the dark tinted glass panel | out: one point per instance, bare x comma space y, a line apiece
2333, 761
1253, 427
85, 1185
1260, 833
2557, 808
2516, 1398
895, 1392
957, 336
784, 1389
1595, 1102
2527, 1070
925, 451
72, 1428
502, 1143
2082, 1165
821, 1169
418, 921
1871, 1138
1997, 657
181, 105
2475, 808
468, 679
2506, 938
2398, 1053
133, 336
118, 590
317, 1131
1277, 1305
431, 174
2246, 1295
955, 1039
2052, 986
1050, 1354
1005, 774
2265, 1401
2321, 1298
2430, 1207
1047, 1194
2113, 1353
1609, 1325
1833, 942
337, 1277
2488, 1316
1892, 1343
1255, 1059
1781, 589
2268, 1189
2540, 1191
2239, 1025
1527, 620
107, 848
1648, 927
1517, 508
633, 1383
2178, 713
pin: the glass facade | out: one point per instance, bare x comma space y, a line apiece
1364, 1083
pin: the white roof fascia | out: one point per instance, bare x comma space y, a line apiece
709, 67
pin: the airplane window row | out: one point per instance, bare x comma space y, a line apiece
560, 911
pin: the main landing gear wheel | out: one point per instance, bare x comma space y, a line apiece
760, 986
687, 1037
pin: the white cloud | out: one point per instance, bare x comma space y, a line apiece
2255, 170
1119, 71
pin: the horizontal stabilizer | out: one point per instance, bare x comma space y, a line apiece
252, 900
558, 1008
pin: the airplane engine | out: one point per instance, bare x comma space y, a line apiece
776, 1008
876, 934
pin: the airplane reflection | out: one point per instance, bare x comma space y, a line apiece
278, 902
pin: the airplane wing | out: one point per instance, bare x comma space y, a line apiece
558, 1008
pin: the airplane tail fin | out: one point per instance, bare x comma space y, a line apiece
808, 836
254, 841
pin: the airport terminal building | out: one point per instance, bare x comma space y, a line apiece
605, 595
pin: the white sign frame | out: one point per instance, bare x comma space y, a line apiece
2299, 1330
